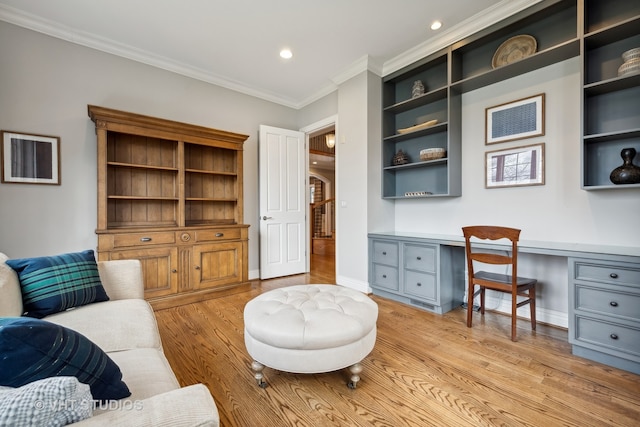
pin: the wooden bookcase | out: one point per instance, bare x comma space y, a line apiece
170, 195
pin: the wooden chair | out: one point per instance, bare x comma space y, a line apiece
508, 283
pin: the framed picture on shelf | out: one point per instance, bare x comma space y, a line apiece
30, 159
513, 167
519, 119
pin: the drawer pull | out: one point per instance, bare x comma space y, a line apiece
384, 253
613, 336
419, 258
145, 239
384, 276
613, 304
614, 275
418, 284
219, 234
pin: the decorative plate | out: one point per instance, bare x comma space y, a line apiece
418, 127
514, 49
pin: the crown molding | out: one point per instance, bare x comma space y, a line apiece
365, 63
466, 28
476, 23
53, 29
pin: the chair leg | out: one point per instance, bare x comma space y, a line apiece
482, 292
470, 303
514, 310
532, 307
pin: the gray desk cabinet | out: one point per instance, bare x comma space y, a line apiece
604, 311
417, 273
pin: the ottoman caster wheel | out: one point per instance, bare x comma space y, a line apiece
257, 368
354, 369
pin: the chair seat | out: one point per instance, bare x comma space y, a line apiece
504, 278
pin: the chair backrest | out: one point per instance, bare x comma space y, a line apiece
489, 232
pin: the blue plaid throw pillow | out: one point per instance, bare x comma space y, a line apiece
33, 349
56, 283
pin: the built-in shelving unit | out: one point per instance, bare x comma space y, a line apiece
611, 111
440, 177
597, 31
463, 67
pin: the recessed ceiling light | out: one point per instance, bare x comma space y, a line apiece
286, 54
436, 25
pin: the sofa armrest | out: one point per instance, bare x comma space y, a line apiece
122, 279
184, 407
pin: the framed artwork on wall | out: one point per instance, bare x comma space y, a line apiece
519, 119
514, 167
30, 159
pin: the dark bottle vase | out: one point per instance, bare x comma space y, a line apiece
628, 173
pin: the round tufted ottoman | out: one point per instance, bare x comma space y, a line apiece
310, 329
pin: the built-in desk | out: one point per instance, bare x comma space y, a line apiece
428, 271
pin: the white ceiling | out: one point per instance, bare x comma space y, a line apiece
235, 43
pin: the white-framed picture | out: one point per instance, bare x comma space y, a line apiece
513, 167
30, 159
519, 119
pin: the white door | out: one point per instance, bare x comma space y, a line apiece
282, 182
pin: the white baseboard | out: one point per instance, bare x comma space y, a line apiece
353, 284
543, 315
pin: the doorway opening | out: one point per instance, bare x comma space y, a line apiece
322, 190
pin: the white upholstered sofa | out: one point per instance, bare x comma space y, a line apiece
125, 328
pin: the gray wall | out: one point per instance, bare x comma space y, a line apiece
45, 86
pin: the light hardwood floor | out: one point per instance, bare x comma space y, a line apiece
425, 370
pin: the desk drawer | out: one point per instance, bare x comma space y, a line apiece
608, 335
385, 253
422, 285
419, 257
215, 235
143, 239
608, 301
385, 276
618, 273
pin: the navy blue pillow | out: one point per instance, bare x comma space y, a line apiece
56, 283
34, 349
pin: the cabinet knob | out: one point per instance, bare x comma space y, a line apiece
219, 234
384, 253
613, 336
419, 258
613, 304
614, 275
174, 271
384, 276
418, 284
145, 239
197, 267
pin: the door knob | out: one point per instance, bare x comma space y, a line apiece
267, 217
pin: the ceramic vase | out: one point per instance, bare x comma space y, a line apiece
628, 173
